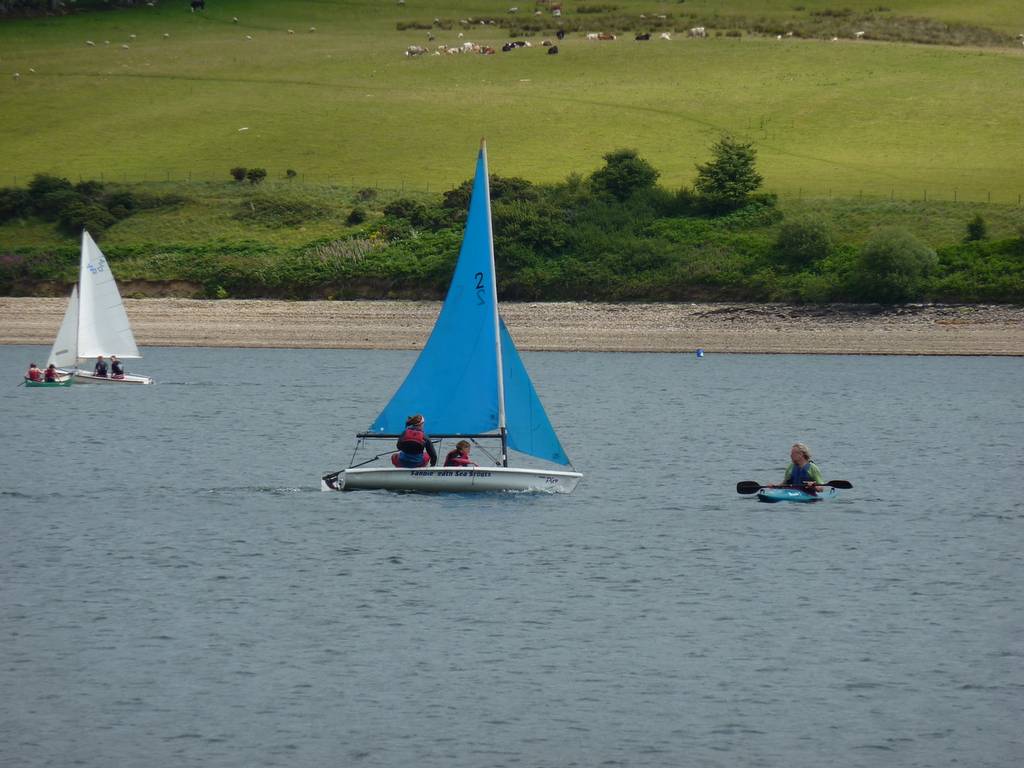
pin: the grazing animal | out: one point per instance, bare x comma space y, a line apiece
415, 50
605, 36
560, 34
553, 50
644, 36
666, 36
859, 35
198, 5
698, 32
89, 42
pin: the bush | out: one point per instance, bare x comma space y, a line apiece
14, 203
238, 173
84, 215
976, 229
366, 194
891, 266
290, 174
43, 184
356, 216
803, 242
625, 173
256, 175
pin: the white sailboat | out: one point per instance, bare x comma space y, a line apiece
95, 322
470, 383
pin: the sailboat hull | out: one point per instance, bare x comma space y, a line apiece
60, 383
452, 480
84, 377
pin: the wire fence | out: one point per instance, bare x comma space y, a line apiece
410, 187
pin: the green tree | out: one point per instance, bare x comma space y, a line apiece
256, 175
803, 242
892, 265
625, 173
976, 229
238, 173
730, 178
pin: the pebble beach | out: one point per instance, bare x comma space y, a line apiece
926, 329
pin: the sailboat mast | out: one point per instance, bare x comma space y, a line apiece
81, 287
494, 303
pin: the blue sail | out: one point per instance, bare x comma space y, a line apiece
454, 382
529, 430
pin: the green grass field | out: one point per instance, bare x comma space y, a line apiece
344, 105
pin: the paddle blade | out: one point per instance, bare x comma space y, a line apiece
843, 484
747, 486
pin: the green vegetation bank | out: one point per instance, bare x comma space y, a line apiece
615, 235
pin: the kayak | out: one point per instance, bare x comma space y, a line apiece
773, 495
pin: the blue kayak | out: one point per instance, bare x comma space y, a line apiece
773, 495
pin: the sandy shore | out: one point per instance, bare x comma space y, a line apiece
756, 328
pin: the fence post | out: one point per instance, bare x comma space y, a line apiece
954, 195
990, 196
892, 194
926, 195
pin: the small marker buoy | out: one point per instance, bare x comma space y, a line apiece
700, 352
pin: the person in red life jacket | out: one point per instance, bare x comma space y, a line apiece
101, 367
116, 371
51, 373
414, 446
34, 374
460, 456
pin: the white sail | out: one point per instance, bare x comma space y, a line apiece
103, 327
65, 346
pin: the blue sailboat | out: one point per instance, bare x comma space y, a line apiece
469, 383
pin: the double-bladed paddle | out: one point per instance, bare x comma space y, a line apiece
751, 486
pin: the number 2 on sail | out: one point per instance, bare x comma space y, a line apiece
479, 288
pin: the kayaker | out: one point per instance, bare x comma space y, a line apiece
460, 456
116, 371
33, 373
414, 446
51, 373
802, 471
101, 367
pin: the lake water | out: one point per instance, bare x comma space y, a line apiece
175, 590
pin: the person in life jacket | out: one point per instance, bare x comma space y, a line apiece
460, 456
51, 373
33, 373
414, 446
101, 367
116, 371
802, 472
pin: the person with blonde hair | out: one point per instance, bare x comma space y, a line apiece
415, 448
802, 472
459, 457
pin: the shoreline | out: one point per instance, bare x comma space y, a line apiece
719, 327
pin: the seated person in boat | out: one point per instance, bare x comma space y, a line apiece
460, 456
802, 472
51, 373
414, 446
101, 367
33, 373
116, 371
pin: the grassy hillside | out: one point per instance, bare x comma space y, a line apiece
343, 105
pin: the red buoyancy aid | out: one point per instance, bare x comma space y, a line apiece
34, 374
412, 440
457, 458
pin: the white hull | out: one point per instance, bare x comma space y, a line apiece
84, 377
452, 479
